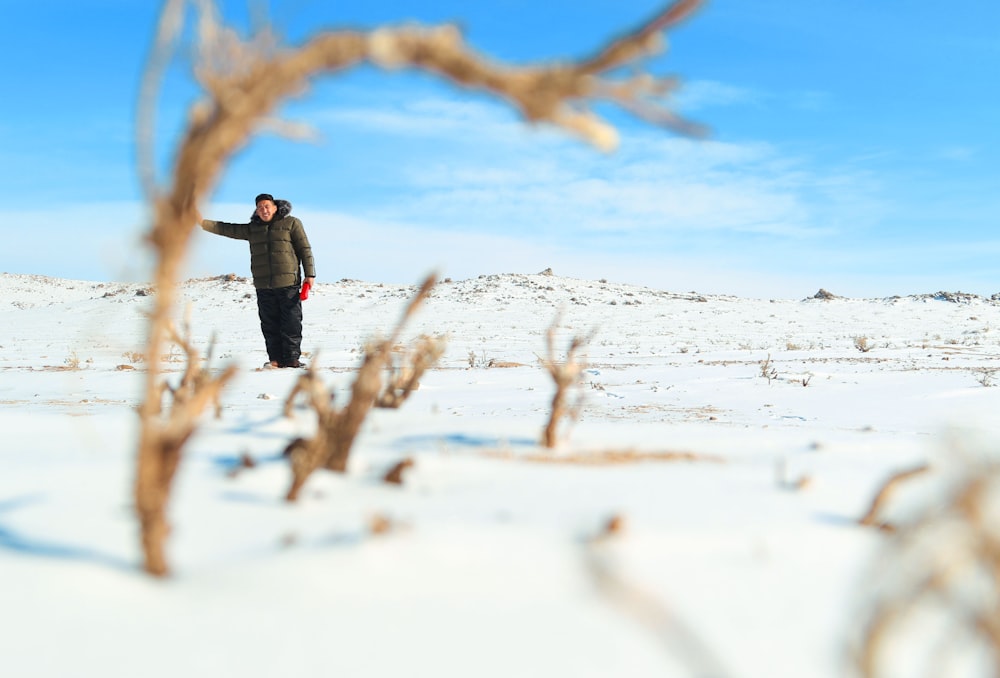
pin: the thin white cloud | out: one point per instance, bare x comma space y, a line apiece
655, 183
481, 197
426, 118
699, 95
477, 170
959, 153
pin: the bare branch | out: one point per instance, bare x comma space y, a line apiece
565, 374
160, 444
644, 607
405, 378
337, 429
642, 41
935, 585
872, 516
167, 33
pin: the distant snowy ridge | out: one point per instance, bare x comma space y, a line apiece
34, 288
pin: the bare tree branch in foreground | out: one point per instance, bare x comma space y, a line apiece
245, 82
935, 586
681, 640
197, 389
872, 517
337, 429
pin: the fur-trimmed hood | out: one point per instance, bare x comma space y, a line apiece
284, 209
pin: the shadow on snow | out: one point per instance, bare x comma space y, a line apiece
21, 544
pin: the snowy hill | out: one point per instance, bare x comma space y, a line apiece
738, 439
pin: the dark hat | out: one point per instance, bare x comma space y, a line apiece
263, 196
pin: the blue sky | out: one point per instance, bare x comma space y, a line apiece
853, 147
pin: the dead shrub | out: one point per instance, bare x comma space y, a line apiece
404, 377
872, 517
196, 374
934, 588
134, 356
565, 374
163, 435
768, 370
633, 601
337, 429
504, 364
986, 376
395, 475
863, 344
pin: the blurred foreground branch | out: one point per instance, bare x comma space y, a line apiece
935, 585
163, 437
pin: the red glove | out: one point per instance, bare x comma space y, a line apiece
304, 294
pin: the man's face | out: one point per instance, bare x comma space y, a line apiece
266, 209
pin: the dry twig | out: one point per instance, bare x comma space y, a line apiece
768, 370
644, 607
395, 475
405, 378
872, 516
196, 374
935, 588
565, 374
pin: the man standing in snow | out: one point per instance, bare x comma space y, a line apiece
279, 249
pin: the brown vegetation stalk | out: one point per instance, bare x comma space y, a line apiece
872, 516
394, 476
337, 429
935, 586
162, 439
565, 374
680, 639
405, 378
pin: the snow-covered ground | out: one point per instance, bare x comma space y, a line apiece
744, 559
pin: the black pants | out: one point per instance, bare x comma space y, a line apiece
280, 314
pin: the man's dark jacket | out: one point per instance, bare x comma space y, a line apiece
277, 247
